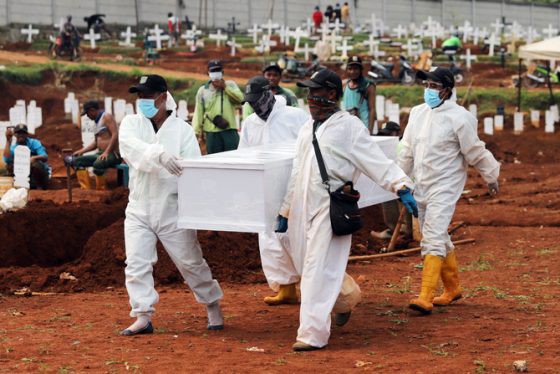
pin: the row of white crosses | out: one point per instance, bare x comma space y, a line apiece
29, 115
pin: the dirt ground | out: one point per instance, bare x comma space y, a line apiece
510, 277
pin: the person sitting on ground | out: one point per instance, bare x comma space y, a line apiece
106, 142
273, 73
391, 209
40, 169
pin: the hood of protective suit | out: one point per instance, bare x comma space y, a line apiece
170, 104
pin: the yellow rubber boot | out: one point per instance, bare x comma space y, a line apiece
430, 277
83, 179
450, 279
287, 294
100, 182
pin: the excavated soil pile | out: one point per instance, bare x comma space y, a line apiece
47, 234
87, 241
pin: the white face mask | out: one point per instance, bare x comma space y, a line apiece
215, 76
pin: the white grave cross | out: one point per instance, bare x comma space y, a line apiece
255, 31
127, 35
550, 32
157, 36
468, 58
233, 46
345, 48
218, 37
30, 31
92, 37
400, 31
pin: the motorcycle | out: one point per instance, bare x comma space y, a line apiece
62, 46
455, 67
538, 76
294, 69
383, 72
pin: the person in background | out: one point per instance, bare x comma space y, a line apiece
392, 209
174, 27
345, 13
40, 169
329, 14
106, 143
214, 112
451, 46
273, 73
337, 12
317, 19
359, 93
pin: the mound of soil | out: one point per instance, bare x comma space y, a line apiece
47, 234
95, 253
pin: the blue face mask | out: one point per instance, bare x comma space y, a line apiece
431, 97
147, 107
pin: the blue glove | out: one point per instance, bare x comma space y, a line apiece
282, 225
408, 201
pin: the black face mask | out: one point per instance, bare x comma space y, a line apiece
321, 108
263, 106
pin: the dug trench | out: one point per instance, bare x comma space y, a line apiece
86, 239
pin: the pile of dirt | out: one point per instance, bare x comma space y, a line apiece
47, 234
95, 253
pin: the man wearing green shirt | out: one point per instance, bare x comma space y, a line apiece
273, 73
214, 112
452, 44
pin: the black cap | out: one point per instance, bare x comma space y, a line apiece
215, 65
150, 84
355, 60
438, 74
389, 128
91, 104
20, 128
255, 88
272, 66
324, 78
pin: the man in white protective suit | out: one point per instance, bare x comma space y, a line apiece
347, 150
272, 121
152, 143
439, 143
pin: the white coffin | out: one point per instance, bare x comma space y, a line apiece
243, 190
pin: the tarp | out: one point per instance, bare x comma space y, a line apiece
548, 49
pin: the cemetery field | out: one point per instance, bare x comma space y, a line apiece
62, 296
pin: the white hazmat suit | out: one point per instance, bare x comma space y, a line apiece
151, 213
318, 254
282, 126
436, 149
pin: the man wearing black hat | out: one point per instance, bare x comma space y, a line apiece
273, 73
359, 93
348, 150
438, 144
273, 122
214, 112
153, 142
40, 170
106, 143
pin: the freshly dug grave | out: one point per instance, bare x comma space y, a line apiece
98, 259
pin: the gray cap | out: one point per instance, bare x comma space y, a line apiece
255, 88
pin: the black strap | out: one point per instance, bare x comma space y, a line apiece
319, 156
